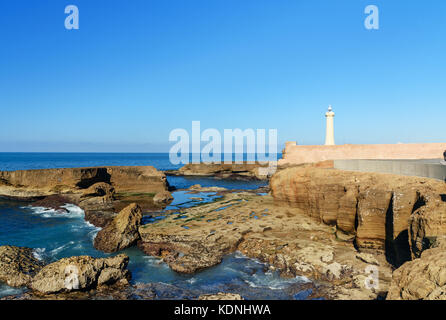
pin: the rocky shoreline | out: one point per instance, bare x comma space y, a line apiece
242, 171
324, 224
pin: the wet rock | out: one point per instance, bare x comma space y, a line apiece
186, 250
53, 202
163, 197
81, 273
199, 188
18, 265
121, 232
99, 218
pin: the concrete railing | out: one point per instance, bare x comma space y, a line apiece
434, 168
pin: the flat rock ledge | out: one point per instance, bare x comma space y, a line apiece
238, 171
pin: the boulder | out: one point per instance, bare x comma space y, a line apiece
421, 279
81, 273
18, 265
162, 197
121, 232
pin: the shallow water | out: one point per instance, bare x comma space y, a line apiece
186, 182
56, 235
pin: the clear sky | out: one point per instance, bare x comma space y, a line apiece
137, 69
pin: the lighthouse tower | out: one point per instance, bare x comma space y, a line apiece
329, 135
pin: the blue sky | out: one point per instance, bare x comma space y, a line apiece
137, 69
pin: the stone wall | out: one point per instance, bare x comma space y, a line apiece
417, 168
295, 154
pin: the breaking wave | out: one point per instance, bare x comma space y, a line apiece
71, 211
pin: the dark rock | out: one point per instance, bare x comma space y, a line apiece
18, 265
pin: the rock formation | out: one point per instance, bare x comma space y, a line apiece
44, 182
162, 197
284, 237
223, 170
376, 209
121, 232
19, 268
421, 279
99, 191
427, 223
18, 265
81, 273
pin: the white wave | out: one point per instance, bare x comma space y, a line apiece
38, 253
73, 211
274, 283
191, 280
62, 247
92, 234
7, 290
92, 225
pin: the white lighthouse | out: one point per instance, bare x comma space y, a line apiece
329, 133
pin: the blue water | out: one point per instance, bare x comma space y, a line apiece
34, 160
54, 235
26, 161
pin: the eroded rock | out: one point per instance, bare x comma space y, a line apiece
81, 273
377, 209
18, 265
99, 189
223, 170
45, 182
121, 232
423, 278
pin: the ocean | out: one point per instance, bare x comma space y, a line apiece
53, 235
